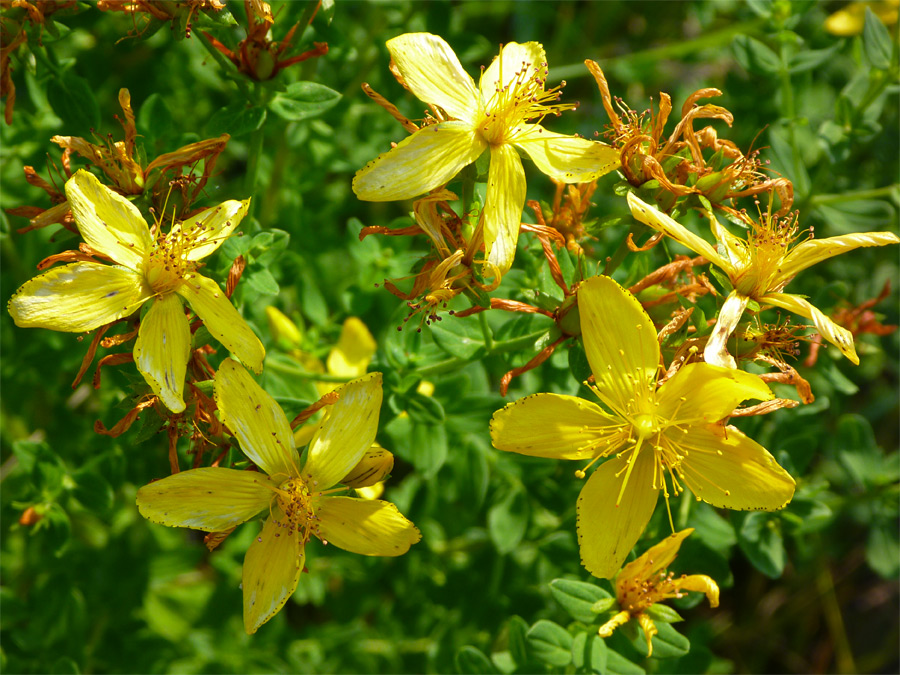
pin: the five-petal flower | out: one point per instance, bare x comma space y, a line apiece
501, 114
644, 432
302, 502
644, 582
760, 267
85, 295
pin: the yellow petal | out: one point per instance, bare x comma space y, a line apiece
567, 158
728, 470
839, 336
700, 393
606, 532
256, 420
620, 343
553, 426
429, 158
77, 297
433, 73
701, 584
656, 559
222, 320
649, 628
505, 69
503, 204
211, 499
364, 526
207, 230
162, 350
354, 350
660, 222
272, 569
812, 251
735, 248
109, 223
716, 350
347, 431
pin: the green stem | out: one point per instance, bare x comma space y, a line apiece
500, 347
486, 331
676, 50
875, 193
304, 374
617, 257
254, 151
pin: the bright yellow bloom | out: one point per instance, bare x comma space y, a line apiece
760, 267
302, 503
850, 19
643, 583
86, 295
502, 114
655, 439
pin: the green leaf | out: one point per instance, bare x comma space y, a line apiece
760, 539
508, 520
263, 282
754, 56
589, 653
811, 58
303, 100
154, 117
92, 490
72, 98
472, 661
577, 598
551, 643
518, 640
461, 338
616, 664
236, 119
668, 643
424, 409
883, 549
711, 528
664, 613
858, 215
877, 41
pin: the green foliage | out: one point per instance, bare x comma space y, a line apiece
495, 585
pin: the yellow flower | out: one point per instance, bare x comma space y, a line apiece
502, 114
643, 583
644, 432
850, 19
760, 267
86, 295
301, 503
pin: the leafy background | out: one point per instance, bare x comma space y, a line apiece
95, 588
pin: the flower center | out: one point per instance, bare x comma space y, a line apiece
516, 100
168, 265
769, 241
645, 425
296, 503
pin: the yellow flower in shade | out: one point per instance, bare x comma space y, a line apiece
644, 582
760, 267
654, 439
502, 114
301, 502
86, 295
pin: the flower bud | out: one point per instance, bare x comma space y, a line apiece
372, 468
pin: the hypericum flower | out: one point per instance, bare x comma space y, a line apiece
643, 583
86, 295
644, 432
760, 267
502, 114
302, 503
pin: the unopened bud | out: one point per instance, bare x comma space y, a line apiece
567, 316
30, 517
372, 468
